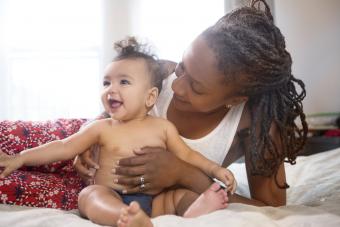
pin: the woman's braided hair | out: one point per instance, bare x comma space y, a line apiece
251, 51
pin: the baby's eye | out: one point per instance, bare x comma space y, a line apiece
124, 82
106, 83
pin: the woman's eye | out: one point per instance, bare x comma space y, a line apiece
124, 82
195, 90
106, 83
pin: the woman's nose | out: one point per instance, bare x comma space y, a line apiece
179, 86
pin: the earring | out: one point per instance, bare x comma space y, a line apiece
228, 106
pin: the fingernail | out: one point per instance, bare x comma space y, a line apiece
114, 170
115, 180
117, 162
96, 166
124, 191
90, 174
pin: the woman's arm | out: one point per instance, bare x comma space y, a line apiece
168, 67
266, 189
263, 190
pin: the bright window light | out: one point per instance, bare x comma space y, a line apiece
172, 25
52, 51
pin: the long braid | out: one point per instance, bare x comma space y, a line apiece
251, 51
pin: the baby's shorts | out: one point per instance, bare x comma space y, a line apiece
144, 200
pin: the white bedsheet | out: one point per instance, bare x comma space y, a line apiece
313, 200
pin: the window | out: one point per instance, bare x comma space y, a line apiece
172, 25
52, 51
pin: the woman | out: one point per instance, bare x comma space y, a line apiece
234, 96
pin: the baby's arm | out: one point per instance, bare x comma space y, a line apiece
183, 151
54, 151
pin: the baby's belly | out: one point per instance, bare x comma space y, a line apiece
104, 176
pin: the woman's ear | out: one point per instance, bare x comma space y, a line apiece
152, 97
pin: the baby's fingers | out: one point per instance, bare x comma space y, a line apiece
3, 156
232, 187
7, 171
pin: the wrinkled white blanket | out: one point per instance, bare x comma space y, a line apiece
313, 200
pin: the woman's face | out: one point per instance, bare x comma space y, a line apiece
200, 86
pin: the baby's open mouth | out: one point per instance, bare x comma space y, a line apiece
115, 103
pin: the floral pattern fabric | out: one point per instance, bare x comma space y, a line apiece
55, 185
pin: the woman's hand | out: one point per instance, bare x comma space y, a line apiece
154, 168
85, 164
157, 169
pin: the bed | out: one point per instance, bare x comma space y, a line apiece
313, 200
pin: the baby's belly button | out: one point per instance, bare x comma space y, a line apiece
104, 177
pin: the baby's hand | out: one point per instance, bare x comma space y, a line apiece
9, 164
227, 177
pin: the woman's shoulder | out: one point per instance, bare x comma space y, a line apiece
167, 66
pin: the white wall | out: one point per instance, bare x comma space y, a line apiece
116, 24
168, 25
311, 28
312, 31
3, 87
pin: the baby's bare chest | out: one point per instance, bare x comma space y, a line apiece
123, 141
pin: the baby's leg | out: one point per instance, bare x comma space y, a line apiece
173, 202
100, 204
168, 202
186, 203
181, 202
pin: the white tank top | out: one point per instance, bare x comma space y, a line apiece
215, 145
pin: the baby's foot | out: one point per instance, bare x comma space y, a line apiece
133, 216
214, 198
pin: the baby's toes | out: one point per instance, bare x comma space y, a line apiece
120, 223
214, 187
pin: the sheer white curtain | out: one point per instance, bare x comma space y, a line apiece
50, 57
52, 52
171, 25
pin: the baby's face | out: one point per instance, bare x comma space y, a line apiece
126, 86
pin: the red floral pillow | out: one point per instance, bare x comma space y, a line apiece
55, 185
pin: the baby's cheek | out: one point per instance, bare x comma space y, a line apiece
104, 102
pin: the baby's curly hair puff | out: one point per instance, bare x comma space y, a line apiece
131, 48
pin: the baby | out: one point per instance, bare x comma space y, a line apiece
131, 86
